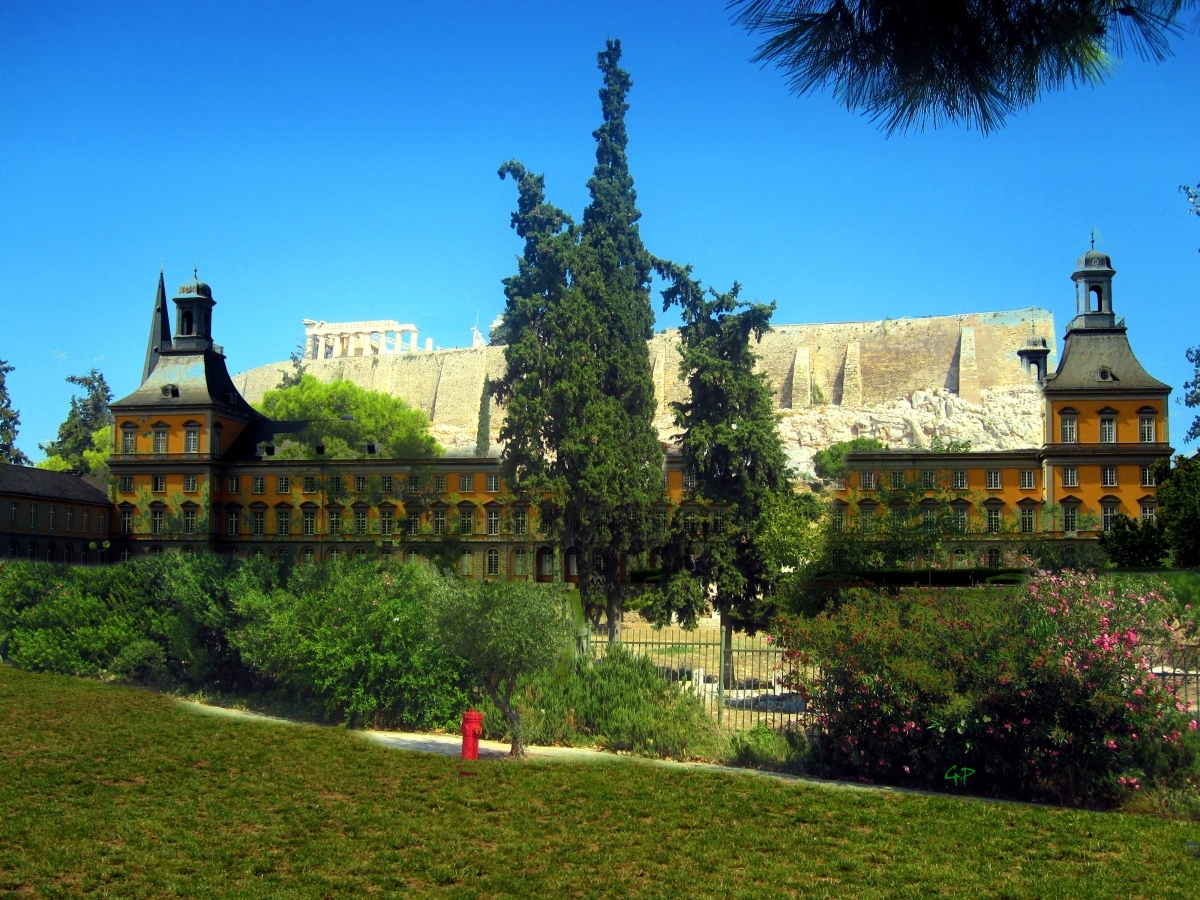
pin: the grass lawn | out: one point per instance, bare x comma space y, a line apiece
108, 791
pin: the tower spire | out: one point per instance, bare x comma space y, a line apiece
160, 329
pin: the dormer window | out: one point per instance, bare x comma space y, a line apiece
1104, 373
170, 391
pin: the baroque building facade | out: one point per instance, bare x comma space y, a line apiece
1105, 426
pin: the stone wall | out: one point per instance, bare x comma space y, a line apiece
898, 380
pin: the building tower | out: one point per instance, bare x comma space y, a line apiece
175, 432
1106, 417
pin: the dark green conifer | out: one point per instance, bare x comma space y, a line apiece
10, 422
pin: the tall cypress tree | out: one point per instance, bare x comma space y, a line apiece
731, 444
578, 387
10, 421
86, 416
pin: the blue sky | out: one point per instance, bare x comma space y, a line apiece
338, 161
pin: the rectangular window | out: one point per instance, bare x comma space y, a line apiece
839, 484
258, 522
360, 521
215, 439
14, 514
960, 480
158, 484
993, 520
69, 514
1146, 429
439, 521
309, 485
493, 521
1070, 476
335, 521
33, 515
283, 521
156, 521
189, 521
520, 521
958, 519
1149, 514
284, 484
1070, 518
493, 484
360, 484
439, 484
689, 479
53, 517
1028, 523
335, 485
465, 484
87, 521
1108, 430
929, 480
128, 440
466, 564
838, 520
103, 523
414, 523
993, 479
929, 520
309, 518
897, 480
189, 484
1148, 476
466, 521
160, 441
260, 484
385, 484
1028, 480
191, 440
387, 521
126, 521
866, 518
866, 480
234, 485
492, 566
231, 522
1067, 430
413, 484
125, 484
1108, 512
1108, 476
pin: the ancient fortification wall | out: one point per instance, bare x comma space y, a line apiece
901, 381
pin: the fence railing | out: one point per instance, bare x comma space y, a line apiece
751, 691
1180, 669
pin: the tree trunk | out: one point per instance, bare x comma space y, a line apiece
726, 651
504, 704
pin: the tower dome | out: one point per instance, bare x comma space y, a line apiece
193, 315
1093, 277
194, 287
1093, 260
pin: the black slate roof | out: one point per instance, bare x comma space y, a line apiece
41, 484
1086, 350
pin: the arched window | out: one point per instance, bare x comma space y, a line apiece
960, 557
186, 328
306, 555
156, 550
188, 551
67, 554
1094, 294
545, 564
572, 564
13, 550
493, 561
520, 561
993, 557
334, 553
50, 552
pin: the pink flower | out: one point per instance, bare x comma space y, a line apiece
1193, 725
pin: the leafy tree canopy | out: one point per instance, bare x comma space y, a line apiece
1135, 544
504, 631
86, 416
1178, 498
1191, 393
578, 386
10, 422
398, 431
908, 63
831, 462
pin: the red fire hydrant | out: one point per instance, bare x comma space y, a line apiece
472, 729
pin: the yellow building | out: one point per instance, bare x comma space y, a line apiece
1106, 426
194, 468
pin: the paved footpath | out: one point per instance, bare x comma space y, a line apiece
451, 745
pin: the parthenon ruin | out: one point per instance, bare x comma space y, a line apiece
378, 337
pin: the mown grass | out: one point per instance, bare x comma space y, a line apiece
110, 791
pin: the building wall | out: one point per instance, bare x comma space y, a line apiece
59, 531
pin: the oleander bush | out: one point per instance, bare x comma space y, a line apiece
1041, 692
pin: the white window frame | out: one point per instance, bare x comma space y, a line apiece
1070, 476
1146, 429
1028, 479
993, 479
1108, 476
960, 479
1108, 430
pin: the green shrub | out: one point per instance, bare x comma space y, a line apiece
140, 661
357, 638
619, 703
761, 747
1043, 691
